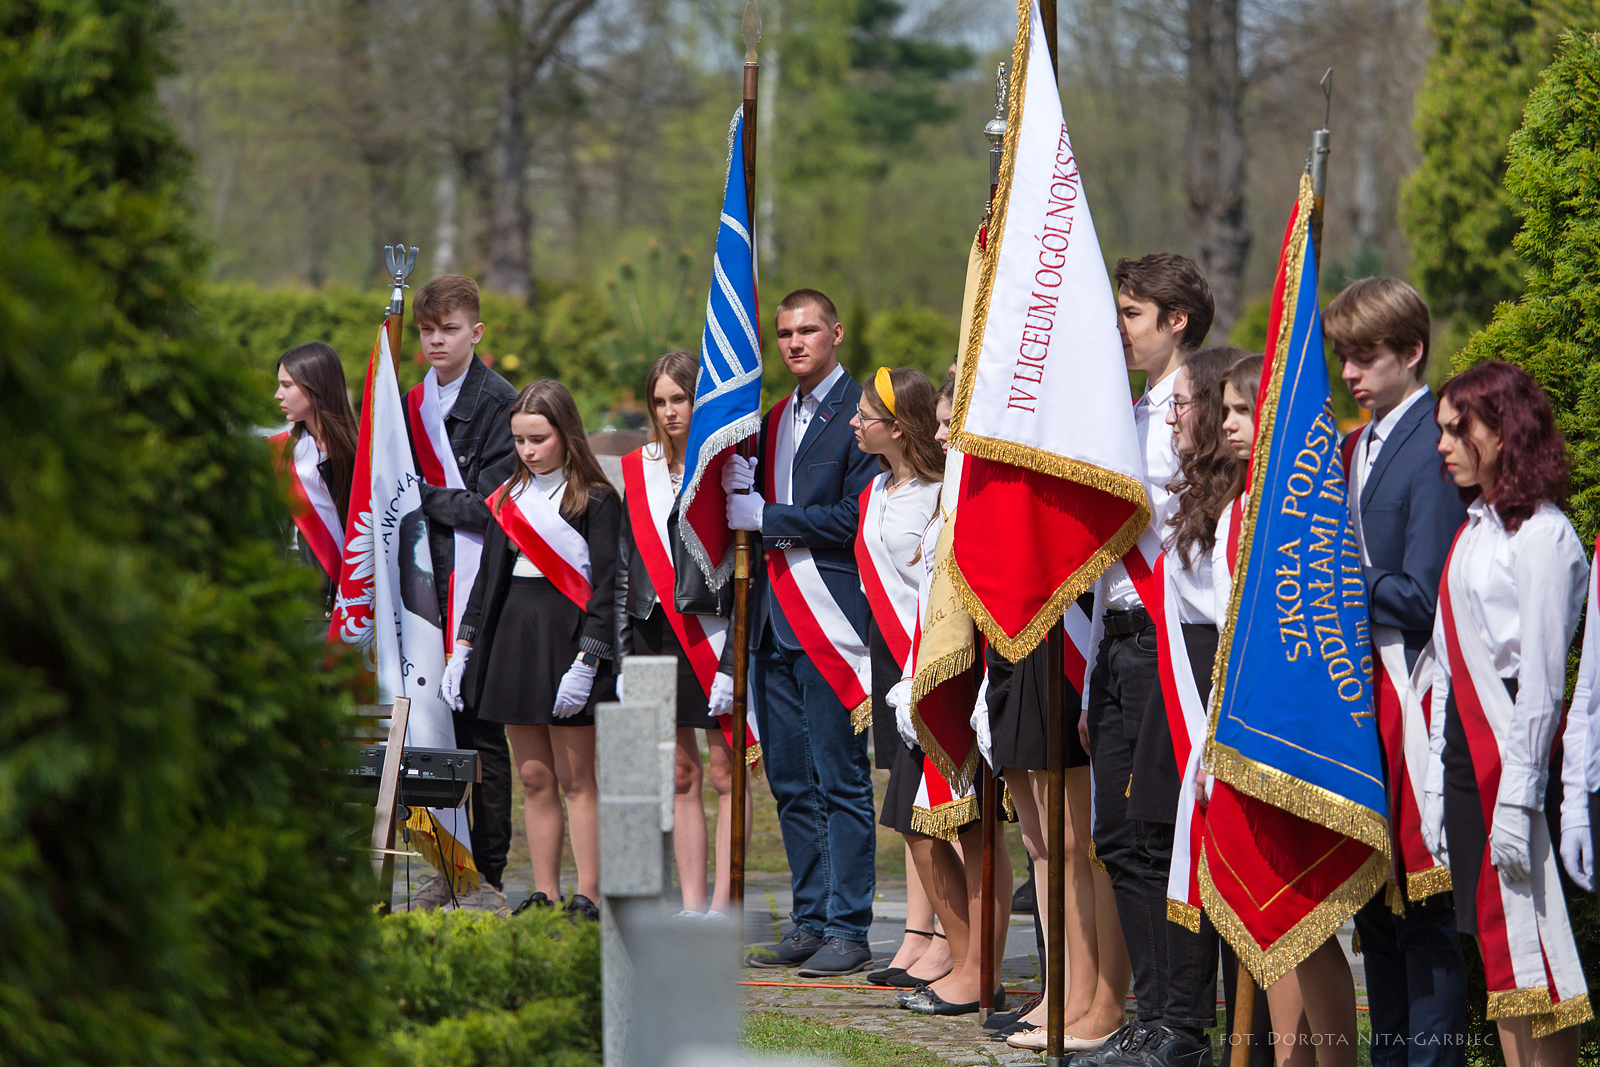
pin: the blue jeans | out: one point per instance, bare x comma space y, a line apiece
1416, 983
818, 770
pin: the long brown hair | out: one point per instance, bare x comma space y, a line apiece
681, 367
916, 411
1206, 472
1532, 466
1245, 377
316, 369
551, 399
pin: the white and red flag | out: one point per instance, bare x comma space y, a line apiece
386, 603
1052, 489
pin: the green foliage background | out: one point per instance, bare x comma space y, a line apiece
175, 884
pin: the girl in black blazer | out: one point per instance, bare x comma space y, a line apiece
534, 660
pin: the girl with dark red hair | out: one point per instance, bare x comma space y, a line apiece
1508, 606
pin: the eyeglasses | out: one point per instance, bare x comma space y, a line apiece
862, 416
1176, 406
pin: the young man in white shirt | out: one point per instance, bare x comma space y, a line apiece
1164, 311
1407, 513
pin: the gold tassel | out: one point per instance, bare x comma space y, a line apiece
431, 839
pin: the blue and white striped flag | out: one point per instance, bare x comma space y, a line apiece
727, 395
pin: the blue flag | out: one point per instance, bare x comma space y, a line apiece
1297, 831
727, 396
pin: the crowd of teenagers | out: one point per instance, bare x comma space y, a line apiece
1475, 582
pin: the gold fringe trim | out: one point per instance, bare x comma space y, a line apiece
1095, 859
1266, 418
423, 838
1017, 648
1184, 914
959, 775
1394, 897
943, 821
1423, 884
1301, 798
752, 759
861, 716
1569, 1012
1547, 1018
1284, 955
1009, 806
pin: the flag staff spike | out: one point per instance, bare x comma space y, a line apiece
743, 541
1317, 165
399, 261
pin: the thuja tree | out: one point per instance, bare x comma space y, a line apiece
1455, 208
175, 885
1553, 329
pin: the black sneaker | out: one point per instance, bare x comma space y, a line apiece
838, 956
1164, 1047
581, 907
795, 948
1125, 1041
537, 900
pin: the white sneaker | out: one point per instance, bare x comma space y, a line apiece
688, 916
716, 917
432, 892
484, 898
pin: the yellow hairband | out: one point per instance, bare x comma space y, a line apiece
885, 388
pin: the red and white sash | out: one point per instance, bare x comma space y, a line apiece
648, 493
438, 467
311, 505
534, 523
824, 630
894, 604
1403, 706
1530, 959
1187, 721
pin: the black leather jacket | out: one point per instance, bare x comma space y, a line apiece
480, 433
636, 594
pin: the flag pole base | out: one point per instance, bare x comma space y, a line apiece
983, 1015
1054, 1061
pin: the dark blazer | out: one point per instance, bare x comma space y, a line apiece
829, 473
480, 433
636, 594
598, 525
1410, 512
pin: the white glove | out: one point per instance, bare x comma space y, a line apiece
619, 687
1433, 824
450, 684
1577, 854
744, 511
1508, 842
721, 694
899, 698
738, 474
573, 693
980, 725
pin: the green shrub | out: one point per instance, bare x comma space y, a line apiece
476, 991
912, 336
175, 882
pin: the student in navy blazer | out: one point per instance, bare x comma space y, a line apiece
816, 763
1410, 512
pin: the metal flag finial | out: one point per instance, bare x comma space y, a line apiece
400, 262
750, 30
1327, 97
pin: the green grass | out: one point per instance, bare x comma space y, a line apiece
770, 1031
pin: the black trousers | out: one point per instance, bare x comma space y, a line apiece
1416, 983
489, 809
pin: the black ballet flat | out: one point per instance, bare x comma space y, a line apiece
887, 976
928, 1002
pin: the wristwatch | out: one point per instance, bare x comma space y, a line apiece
589, 659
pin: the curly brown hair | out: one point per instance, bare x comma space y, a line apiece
1208, 471
1532, 466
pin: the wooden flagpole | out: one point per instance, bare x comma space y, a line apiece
743, 540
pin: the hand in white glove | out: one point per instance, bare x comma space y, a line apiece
980, 726
450, 684
899, 698
1433, 824
619, 687
1508, 842
738, 474
721, 694
1577, 854
744, 511
573, 693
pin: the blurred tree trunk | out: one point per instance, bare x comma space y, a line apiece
531, 32
381, 142
1216, 153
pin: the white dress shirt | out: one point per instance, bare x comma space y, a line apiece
802, 409
1194, 585
905, 516
1580, 745
1160, 454
551, 485
1221, 569
449, 394
1378, 431
1524, 593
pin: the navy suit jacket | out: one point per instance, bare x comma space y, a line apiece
830, 472
1410, 512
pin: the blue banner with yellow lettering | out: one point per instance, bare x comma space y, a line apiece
1296, 835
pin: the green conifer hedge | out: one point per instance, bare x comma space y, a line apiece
175, 882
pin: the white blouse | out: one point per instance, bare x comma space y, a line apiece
1194, 585
1221, 566
904, 517
1524, 593
551, 485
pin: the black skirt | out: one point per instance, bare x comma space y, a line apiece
655, 637
535, 642
905, 778
885, 675
1018, 693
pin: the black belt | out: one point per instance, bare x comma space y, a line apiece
1127, 623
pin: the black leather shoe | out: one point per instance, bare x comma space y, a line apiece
795, 948
537, 900
928, 1002
581, 907
887, 976
1164, 1047
838, 956
1002, 1019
